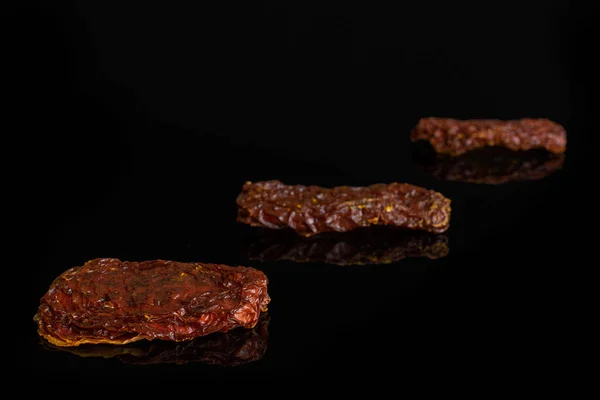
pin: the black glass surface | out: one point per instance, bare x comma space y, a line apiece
142, 124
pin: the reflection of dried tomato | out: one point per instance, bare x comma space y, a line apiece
456, 137
493, 166
359, 247
311, 209
111, 301
236, 347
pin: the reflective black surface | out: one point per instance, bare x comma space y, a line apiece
161, 115
373, 245
491, 166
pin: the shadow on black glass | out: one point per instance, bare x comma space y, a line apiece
491, 165
236, 347
375, 245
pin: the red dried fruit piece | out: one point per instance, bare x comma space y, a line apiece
455, 137
310, 210
111, 301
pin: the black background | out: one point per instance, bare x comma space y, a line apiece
138, 124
